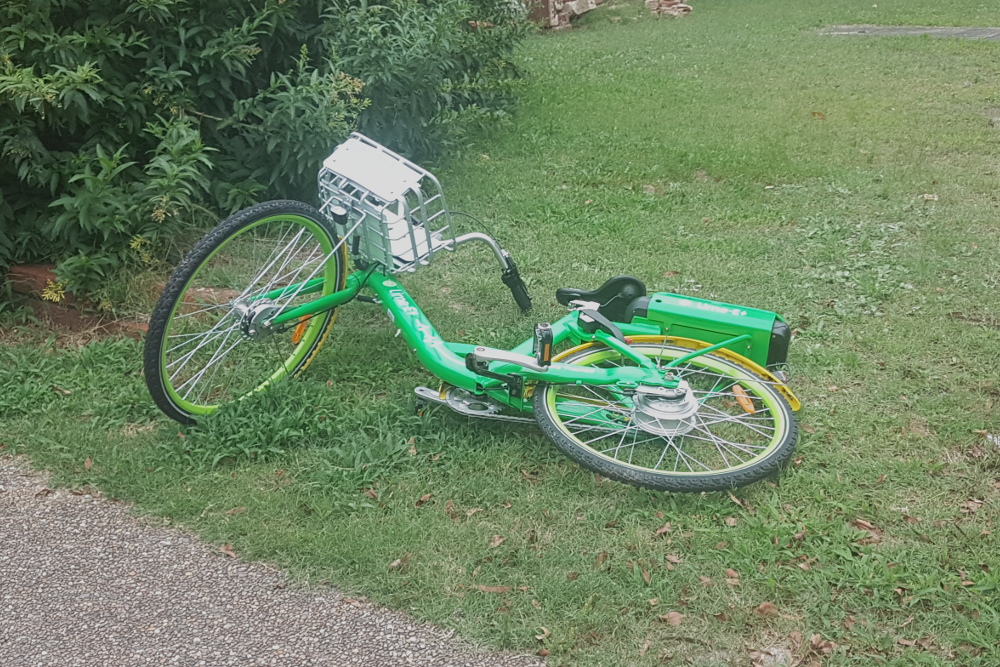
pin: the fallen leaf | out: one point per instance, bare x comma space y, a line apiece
731, 521
767, 609
738, 501
673, 618
543, 652
473, 510
423, 499
968, 507
662, 530
497, 541
849, 623
819, 645
721, 545
671, 274
732, 574
645, 575
493, 589
228, 550
536, 604
60, 390
808, 429
412, 451
370, 493
400, 563
644, 647
818, 115
929, 197
237, 510
599, 561
705, 581
653, 601
906, 642
721, 617
572, 576
87, 463
672, 558
545, 634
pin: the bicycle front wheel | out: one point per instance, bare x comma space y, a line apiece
724, 427
209, 339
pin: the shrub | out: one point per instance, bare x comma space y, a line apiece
125, 124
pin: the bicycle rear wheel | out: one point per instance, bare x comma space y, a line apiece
209, 342
724, 427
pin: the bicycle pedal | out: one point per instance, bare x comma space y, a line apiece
543, 344
466, 403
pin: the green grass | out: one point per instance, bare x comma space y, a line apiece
734, 154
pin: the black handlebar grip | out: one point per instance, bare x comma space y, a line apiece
512, 279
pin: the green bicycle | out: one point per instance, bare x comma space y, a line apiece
661, 391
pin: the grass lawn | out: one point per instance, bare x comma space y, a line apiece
849, 183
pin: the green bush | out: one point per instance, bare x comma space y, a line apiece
125, 124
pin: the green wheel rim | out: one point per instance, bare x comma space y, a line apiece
299, 355
759, 392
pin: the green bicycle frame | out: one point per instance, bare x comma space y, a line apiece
447, 360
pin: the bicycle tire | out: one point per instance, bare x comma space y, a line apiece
195, 317
756, 416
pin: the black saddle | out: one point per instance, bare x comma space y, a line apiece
614, 295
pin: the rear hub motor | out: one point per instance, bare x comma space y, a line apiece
666, 411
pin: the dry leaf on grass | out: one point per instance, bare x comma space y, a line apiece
767, 609
599, 561
572, 576
493, 589
87, 463
662, 530
673, 618
497, 541
545, 634
228, 550
400, 563
237, 510
423, 499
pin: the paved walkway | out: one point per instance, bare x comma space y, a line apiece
991, 34
82, 582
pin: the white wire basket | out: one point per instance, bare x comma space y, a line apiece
397, 215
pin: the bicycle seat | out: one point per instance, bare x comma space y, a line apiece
614, 295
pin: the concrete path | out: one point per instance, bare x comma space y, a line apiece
991, 34
83, 582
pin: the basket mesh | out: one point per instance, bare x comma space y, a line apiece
397, 215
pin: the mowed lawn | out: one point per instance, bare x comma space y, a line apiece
849, 183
